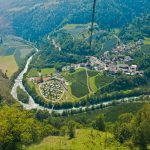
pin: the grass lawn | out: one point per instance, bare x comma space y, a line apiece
102, 80
92, 73
92, 84
45, 71
147, 41
117, 30
8, 63
68, 97
70, 26
86, 139
32, 85
25, 51
73, 26
48, 71
33, 73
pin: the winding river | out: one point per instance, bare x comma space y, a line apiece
32, 104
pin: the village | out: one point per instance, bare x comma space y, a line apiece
113, 61
53, 87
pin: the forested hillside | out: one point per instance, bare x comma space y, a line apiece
33, 19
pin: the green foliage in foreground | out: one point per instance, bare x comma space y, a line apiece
22, 95
19, 127
85, 139
129, 132
5, 89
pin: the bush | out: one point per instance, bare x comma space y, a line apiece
22, 95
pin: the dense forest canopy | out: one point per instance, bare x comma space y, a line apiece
33, 19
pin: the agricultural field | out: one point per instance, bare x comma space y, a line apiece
19, 48
79, 31
45, 71
13, 52
85, 139
82, 84
8, 64
103, 80
78, 81
147, 41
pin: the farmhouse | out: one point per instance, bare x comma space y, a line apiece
133, 68
94, 61
112, 68
123, 67
45, 79
38, 80
127, 59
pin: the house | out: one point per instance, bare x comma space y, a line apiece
106, 54
38, 80
123, 67
94, 61
133, 68
45, 79
66, 68
127, 59
112, 68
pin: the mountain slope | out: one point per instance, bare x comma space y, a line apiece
85, 139
33, 19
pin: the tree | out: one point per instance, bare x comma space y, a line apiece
18, 127
71, 129
123, 128
42, 115
99, 123
142, 127
22, 95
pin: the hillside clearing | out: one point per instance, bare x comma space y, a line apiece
86, 139
45, 71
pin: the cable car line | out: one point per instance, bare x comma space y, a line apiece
92, 26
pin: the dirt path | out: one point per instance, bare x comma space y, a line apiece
88, 84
